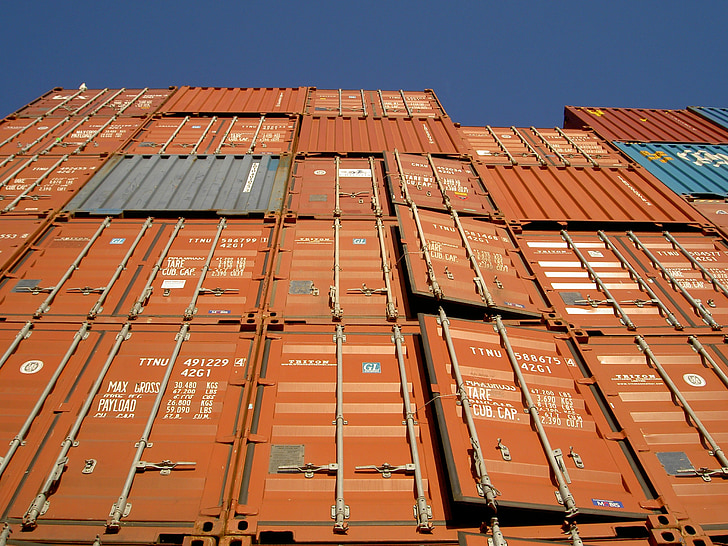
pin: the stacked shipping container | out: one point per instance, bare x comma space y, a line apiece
334, 316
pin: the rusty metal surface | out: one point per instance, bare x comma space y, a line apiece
236, 100
598, 475
360, 102
186, 386
434, 182
313, 187
588, 194
215, 135
310, 261
531, 146
652, 383
59, 102
94, 136
374, 135
645, 124
112, 269
599, 279
39, 185
293, 425
180, 184
503, 282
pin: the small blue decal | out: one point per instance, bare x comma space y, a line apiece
360, 241
117, 241
219, 312
371, 367
607, 503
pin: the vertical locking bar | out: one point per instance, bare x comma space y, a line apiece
98, 306
705, 356
204, 134
583, 152
550, 146
138, 306
670, 384
717, 285
118, 510
376, 203
391, 307
192, 307
19, 438
254, 140
436, 290
527, 144
485, 486
500, 144
381, 99
404, 101
18, 170
174, 134
636, 277
496, 534
340, 510
363, 102
34, 185
340, 112
337, 188
423, 511
30, 518
227, 132
336, 311
20, 336
698, 306
48, 132
566, 497
45, 306
594, 276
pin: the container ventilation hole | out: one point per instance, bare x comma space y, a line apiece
689, 529
242, 525
667, 536
207, 527
663, 520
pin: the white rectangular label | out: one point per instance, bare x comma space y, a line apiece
251, 177
173, 283
355, 173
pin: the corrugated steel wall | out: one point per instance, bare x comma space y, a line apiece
267, 315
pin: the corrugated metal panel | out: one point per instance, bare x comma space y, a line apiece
599, 195
497, 368
96, 135
294, 472
716, 115
437, 183
346, 134
531, 146
443, 265
43, 184
645, 124
172, 184
145, 433
213, 135
335, 269
153, 271
359, 183
602, 280
236, 100
59, 102
687, 169
653, 384
15, 234
358, 102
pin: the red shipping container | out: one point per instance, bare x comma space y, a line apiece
350, 102
236, 100
645, 124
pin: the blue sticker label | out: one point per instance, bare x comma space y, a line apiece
371, 367
117, 241
519, 305
219, 312
360, 241
607, 503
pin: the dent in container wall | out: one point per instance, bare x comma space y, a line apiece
187, 381
215, 135
645, 124
235, 100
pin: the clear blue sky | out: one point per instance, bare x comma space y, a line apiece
505, 62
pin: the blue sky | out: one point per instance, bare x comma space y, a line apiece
497, 63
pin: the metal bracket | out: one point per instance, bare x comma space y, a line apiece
367, 291
35, 290
559, 456
165, 467
217, 291
386, 469
592, 302
89, 466
309, 468
346, 511
705, 473
505, 452
559, 498
127, 510
575, 456
86, 290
